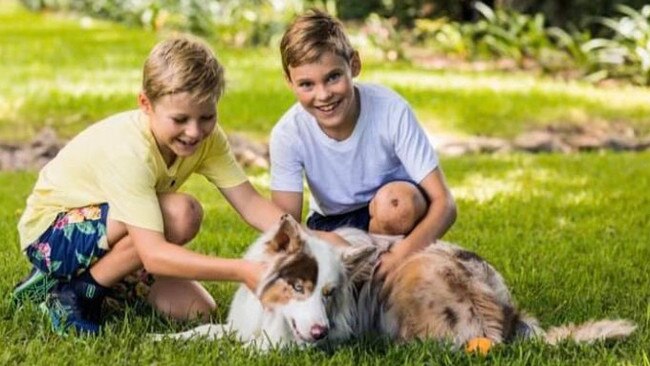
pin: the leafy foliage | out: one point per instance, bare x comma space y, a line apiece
627, 53
624, 52
510, 34
382, 34
448, 37
499, 33
240, 22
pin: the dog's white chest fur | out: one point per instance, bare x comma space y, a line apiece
289, 305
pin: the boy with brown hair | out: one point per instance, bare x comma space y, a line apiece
349, 139
107, 204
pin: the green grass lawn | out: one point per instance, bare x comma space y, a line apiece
569, 233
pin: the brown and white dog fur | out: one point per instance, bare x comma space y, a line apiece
315, 292
450, 294
294, 297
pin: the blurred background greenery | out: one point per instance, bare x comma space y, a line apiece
468, 68
594, 37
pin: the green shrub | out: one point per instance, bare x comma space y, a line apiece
239, 22
499, 33
509, 34
383, 36
582, 52
445, 36
627, 53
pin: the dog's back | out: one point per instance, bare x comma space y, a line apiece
441, 294
447, 293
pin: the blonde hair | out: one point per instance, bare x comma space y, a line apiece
310, 36
182, 64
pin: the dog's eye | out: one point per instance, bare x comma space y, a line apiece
298, 287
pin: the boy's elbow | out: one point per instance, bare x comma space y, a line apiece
149, 265
453, 212
451, 209
152, 263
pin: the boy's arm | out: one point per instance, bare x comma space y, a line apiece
438, 219
256, 210
289, 202
287, 166
160, 257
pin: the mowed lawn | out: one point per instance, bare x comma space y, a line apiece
570, 233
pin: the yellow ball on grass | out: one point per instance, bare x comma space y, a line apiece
478, 345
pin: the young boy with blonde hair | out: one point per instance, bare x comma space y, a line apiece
108, 205
349, 139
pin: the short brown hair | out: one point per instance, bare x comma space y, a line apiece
182, 64
310, 36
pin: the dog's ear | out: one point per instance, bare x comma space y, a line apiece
359, 262
287, 238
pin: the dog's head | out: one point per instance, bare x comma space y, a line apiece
308, 280
302, 276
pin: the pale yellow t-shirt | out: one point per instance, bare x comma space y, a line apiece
117, 161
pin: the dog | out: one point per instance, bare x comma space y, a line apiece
314, 292
293, 300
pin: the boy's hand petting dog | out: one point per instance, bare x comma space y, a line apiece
251, 273
388, 261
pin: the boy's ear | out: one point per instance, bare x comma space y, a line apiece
144, 103
355, 64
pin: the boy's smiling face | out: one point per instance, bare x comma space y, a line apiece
178, 123
326, 91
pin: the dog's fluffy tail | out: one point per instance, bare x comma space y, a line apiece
588, 332
591, 331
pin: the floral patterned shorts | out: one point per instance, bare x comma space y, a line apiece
74, 242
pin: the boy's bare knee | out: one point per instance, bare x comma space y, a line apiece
396, 208
199, 309
181, 299
182, 215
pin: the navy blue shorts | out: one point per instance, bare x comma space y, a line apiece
359, 218
75, 240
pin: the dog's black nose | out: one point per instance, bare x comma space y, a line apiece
318, 332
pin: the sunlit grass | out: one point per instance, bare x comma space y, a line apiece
505, 104
569, 234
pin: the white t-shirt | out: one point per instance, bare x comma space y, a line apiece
387, 144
